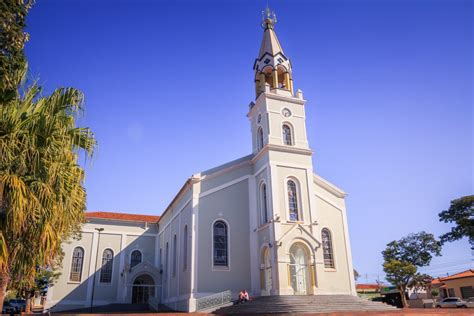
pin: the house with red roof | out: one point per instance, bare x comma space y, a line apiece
457, 285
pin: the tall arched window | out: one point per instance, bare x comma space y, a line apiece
327, 248
135, 258
293, 205
263, 203
185, 247
107, 265
287, 137
259, 138
220, 244
175, 253
76, 265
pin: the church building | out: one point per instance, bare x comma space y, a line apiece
265, 222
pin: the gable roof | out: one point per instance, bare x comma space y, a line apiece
463, 274
123, 217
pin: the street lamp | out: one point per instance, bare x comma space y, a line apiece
100, 229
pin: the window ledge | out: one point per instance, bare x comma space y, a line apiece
74, 282
330, 270
220, 268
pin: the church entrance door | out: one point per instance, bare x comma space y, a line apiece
143, 289
298, 269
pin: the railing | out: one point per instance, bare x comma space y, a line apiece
213, 300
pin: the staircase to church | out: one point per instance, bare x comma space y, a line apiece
304, 304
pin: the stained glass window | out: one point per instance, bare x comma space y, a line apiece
221, 255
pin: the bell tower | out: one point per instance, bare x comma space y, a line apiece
271, 67
277, 115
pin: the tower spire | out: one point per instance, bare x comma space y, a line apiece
271, 67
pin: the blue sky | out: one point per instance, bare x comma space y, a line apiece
167, 84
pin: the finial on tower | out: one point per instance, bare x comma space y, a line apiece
268, 18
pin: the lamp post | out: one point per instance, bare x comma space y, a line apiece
100, 229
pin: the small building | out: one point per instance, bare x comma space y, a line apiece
457, 285
368, 291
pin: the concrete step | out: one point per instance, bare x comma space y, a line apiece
304, 304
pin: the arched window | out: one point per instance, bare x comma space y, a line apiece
135, 258
259, 138
107, 265
327, 248
175, 252
185, 247
76, 265
293, 205
263, 203
220, 242
287, 137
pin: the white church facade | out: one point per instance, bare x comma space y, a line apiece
265, 222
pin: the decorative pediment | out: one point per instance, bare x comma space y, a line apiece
300, 231
144, 267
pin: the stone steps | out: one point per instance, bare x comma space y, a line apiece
304, 304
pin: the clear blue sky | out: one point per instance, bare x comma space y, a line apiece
167, 84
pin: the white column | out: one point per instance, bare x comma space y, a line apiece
277, 210
253, 222
196, 190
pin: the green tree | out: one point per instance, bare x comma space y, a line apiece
356, 274
13, 64
42, 198
461, 212
403, 257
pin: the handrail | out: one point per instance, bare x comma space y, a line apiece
213, 300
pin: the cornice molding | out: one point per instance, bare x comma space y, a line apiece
331, 188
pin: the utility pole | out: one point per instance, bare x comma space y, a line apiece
100, 229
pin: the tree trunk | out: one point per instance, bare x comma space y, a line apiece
4, 279
401, 289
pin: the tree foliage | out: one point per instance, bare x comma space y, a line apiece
461, 212
356, 274
403, 257
417, 249
41, 183
13, 63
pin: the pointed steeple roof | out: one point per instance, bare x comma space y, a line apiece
270, 43
271, 53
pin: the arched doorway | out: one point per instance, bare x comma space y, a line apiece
143, 289
266, 272
299, 269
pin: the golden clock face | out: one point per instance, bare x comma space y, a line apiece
286, 112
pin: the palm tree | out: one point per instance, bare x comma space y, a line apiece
42, 198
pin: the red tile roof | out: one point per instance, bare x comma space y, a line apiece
367, 286
464, 274
123, 217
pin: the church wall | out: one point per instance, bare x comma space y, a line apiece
146, 245
185, 274
288, 159
227, 176
283, 174
74, 292
66, 295
338, 280
107, 292
176, 287
296, 122
232, 203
